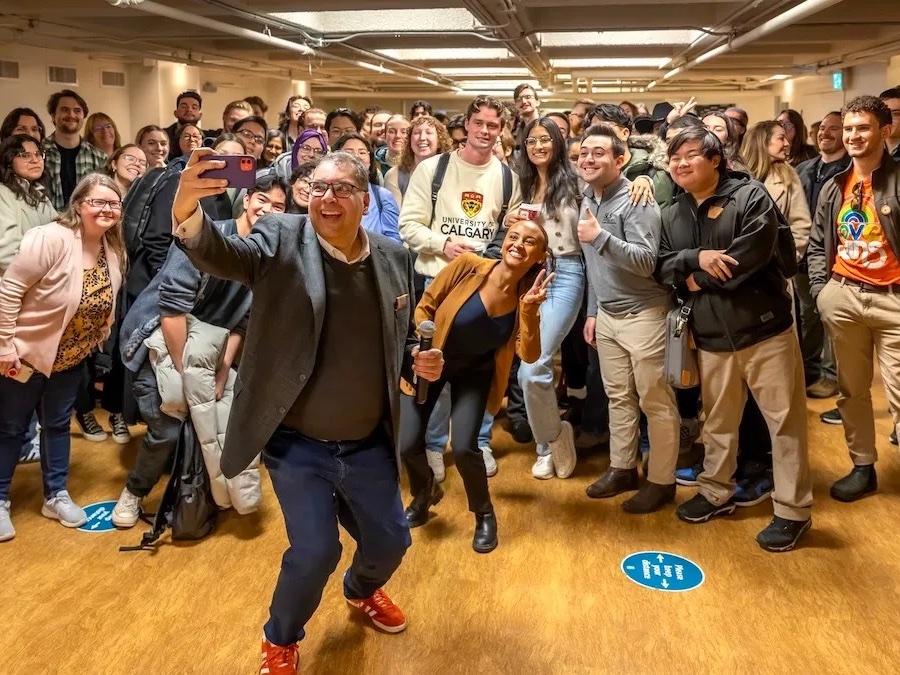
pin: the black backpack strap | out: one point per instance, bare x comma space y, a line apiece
439, 172
507, 194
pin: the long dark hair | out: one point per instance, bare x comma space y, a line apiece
31, 192
11, 121
562, 181
373, 169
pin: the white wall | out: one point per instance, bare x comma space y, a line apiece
32, 89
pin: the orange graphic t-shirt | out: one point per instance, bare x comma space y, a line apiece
863, 251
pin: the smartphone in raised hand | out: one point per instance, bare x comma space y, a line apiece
239, 170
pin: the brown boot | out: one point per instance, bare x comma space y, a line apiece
651, 497
613, 482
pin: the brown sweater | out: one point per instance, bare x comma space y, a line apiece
450, 290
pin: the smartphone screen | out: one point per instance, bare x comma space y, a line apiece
239, 170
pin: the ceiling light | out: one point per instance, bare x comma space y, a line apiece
478, 54
376, 20
660, 62
616, 38
375, 67
434, 83
476, 72
651, 85
778, 77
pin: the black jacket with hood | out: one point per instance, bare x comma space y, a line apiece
741, 219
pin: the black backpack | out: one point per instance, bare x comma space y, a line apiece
785, 249
187, 505
139, 201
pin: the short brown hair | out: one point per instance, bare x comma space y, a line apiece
53, 101
872, 105
491, 102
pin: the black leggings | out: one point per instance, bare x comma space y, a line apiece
470, 382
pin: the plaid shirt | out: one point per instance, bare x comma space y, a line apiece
89, 159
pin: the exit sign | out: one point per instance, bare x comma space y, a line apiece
837, 80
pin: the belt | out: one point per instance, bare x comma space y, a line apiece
863, 286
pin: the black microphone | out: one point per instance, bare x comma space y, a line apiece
426, 332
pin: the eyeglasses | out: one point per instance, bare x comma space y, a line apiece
543, 140
787, 125
856, 204
362, 152
30, 155
308, 149
131, 159
112, 204
526, 97
250, 136
103, 127
340, 190
192, 137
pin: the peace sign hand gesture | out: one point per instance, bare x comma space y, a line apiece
538, 291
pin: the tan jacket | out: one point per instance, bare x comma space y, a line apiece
787, 191
41, 291
451, 289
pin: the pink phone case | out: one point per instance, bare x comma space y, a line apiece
239, 170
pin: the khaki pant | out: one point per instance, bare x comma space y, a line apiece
632, 352
861, 324
773, 371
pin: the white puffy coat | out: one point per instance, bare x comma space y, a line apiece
194, 393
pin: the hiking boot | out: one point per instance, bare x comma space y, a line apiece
7, 531
127, 510
120, 432
383, 613
62, 508
651, 497
782, 534
90, 428
822, 388
278, 660
698, 509
613, 482
417, 512
856, 484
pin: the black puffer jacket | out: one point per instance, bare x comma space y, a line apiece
741, 219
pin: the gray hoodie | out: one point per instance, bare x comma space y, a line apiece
621, 260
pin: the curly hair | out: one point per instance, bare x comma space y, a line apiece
30, 192
872, 105
408, 158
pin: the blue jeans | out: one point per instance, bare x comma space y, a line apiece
438, 431
558, 314
54, 399
320, 485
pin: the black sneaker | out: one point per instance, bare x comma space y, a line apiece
855, 485
832, 416
893, 438
90, 428
782, 534
698, 509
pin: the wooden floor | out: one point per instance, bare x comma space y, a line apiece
550, 599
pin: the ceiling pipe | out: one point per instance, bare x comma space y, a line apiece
783, 20
211, 24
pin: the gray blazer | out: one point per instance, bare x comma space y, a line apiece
280, 261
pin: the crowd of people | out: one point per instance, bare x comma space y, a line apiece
524, 236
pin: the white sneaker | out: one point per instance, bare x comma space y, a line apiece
490, 464
7, 531
563, 451
127, 510
542, 469
436, 462
62, 508
120, 432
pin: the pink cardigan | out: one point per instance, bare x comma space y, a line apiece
40, 293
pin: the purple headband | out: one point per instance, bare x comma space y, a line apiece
307, 134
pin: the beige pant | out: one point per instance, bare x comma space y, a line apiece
773, 371
861, 324
632, 352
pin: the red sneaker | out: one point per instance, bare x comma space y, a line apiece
383, 613
278, 660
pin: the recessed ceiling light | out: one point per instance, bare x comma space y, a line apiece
576, 64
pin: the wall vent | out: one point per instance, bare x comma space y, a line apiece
9, 70
112, 78
62, 75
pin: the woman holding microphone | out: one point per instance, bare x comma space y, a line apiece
485, 312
